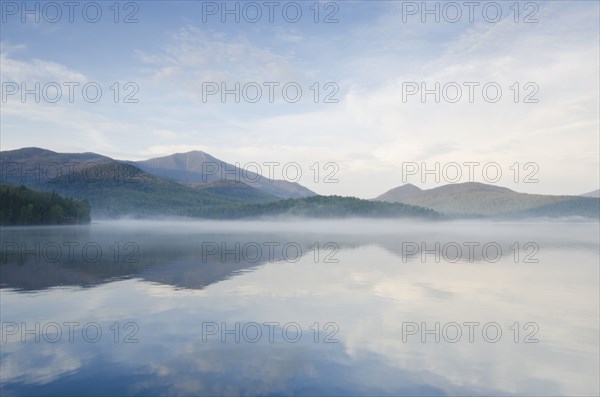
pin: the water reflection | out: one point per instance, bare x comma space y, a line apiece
181, 288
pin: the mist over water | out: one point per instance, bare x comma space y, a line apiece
299, 198
352, 307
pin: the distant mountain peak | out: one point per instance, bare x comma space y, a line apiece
473, 186
595, 193
192, 152
409, 186
30, 151
481, 199
400, 193
34, 154
191, 156
193, 167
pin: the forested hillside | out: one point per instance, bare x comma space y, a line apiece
22, 206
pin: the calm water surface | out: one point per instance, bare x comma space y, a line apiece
300, 308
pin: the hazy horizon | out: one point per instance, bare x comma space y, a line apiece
370, 123
419, 184
305, 198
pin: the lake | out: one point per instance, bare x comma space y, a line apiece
296, 307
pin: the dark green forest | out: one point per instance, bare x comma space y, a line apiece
22, 206
321, 207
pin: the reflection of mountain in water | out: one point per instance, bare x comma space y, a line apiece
184, 260
193, 259
192, 262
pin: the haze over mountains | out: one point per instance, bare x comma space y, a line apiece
480, 199
199, 185
112, 187
197, 167
117, 188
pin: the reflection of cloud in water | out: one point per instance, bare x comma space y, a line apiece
369, 293
37, 363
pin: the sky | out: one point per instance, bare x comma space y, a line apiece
355, 97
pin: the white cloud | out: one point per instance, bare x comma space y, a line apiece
193, 56
34, 70
370, 63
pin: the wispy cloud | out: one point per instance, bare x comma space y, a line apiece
193, 56
370, 60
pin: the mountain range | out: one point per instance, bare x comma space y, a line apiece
197, 168
478, 199
200, 185
179, 185
112, 187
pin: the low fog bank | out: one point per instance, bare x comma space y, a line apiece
194, 253
356, 226
359, 226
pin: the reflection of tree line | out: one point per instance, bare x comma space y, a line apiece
29, 260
